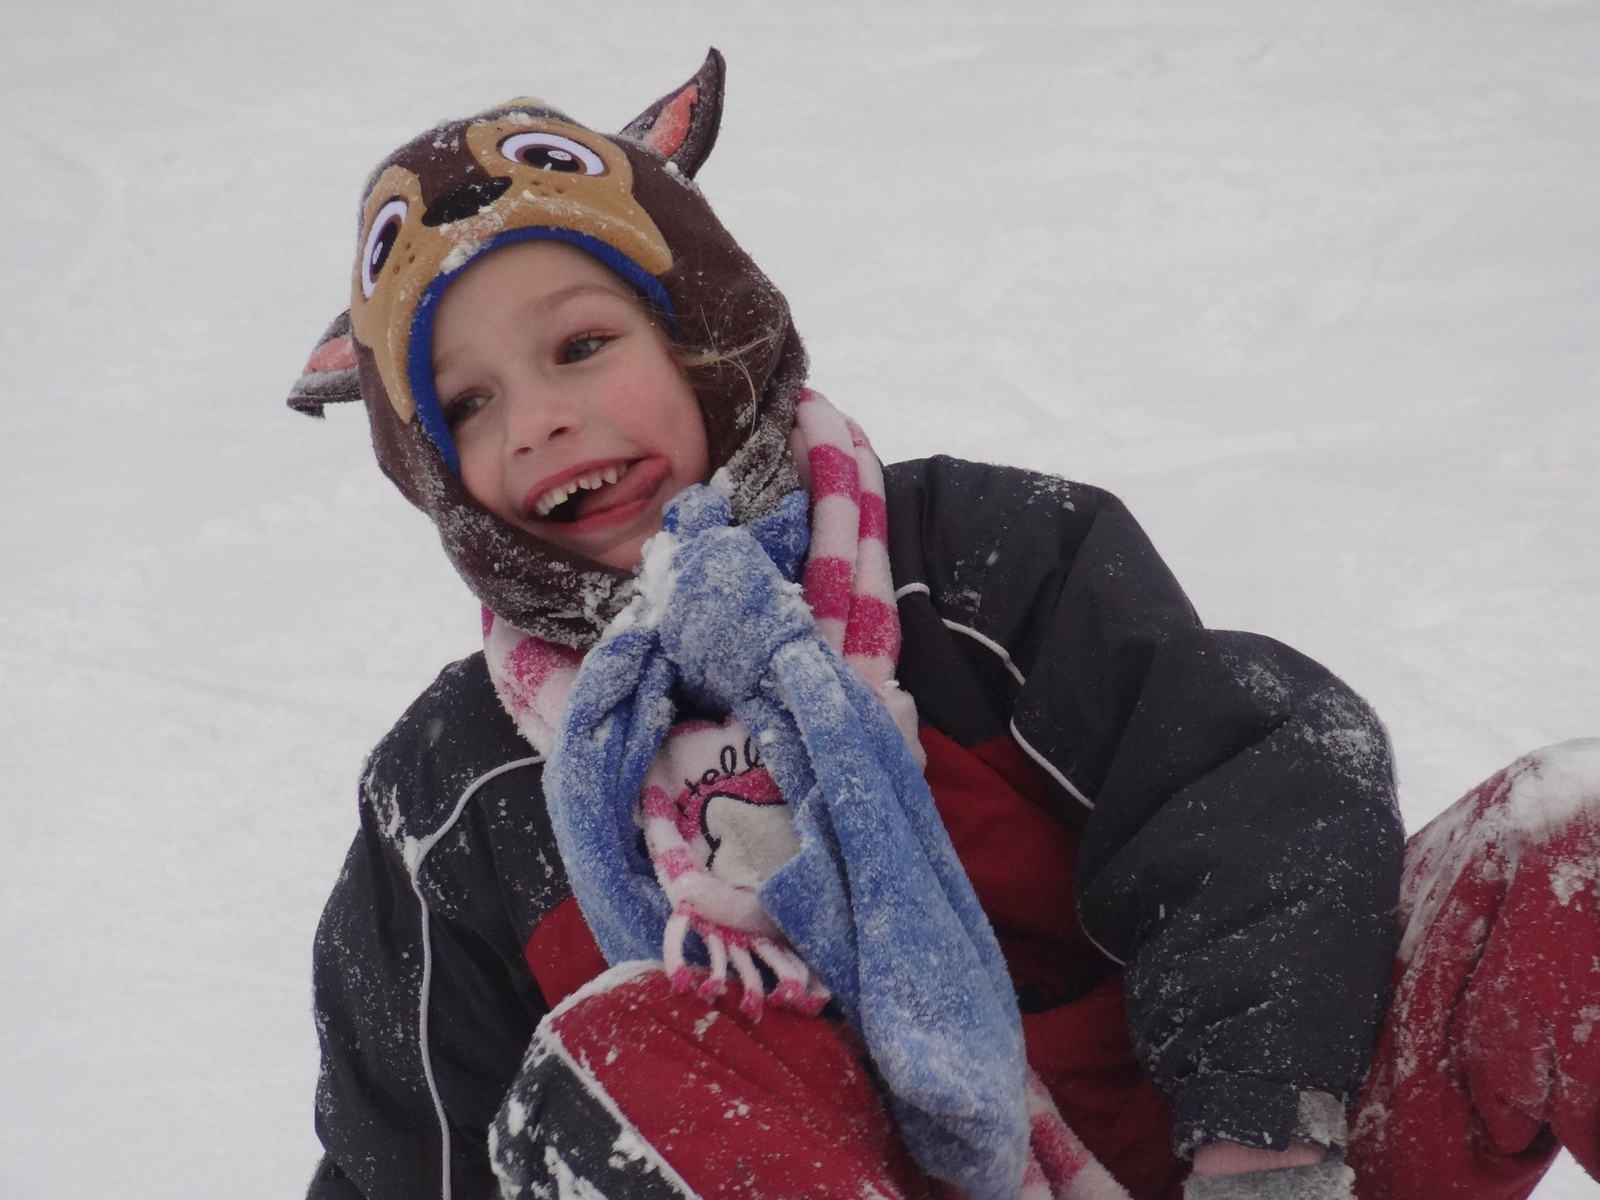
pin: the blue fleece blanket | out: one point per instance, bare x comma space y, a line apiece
875, 899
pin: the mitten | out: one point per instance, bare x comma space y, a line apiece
1325, 1181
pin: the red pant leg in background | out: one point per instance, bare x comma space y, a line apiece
1490, 1056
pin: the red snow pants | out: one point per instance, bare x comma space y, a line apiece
1489, 1060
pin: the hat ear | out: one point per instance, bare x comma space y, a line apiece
330, 375
682, 125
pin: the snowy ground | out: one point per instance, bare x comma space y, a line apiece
1315, 287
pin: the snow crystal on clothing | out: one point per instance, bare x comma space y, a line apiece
1551, 786
1543, 792
459, 256
613, 977
1321, 1119
516, 1116
1587, 1018
569, 1184
1570, 878
630, 1147
655, 582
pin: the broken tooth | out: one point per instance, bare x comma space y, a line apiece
549, 500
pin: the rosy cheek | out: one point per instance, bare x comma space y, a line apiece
480, 477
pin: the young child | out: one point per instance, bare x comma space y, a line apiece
1027, 883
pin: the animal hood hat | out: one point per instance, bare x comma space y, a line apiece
525, 171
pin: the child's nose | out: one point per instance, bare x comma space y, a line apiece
537, 416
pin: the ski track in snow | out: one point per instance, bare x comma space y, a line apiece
1314, 288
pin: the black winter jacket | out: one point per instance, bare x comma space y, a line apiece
1240, 842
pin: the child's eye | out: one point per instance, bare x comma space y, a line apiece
459, 409
580, 348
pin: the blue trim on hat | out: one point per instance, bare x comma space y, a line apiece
419, 354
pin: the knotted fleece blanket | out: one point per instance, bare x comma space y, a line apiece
873, 900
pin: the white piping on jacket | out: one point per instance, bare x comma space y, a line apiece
1050, 767
989, 643
1005, 657
420, 851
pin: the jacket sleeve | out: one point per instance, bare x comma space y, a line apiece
1241, 845
423, 1004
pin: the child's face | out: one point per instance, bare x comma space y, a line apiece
554, 379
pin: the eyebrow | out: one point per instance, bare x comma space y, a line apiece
545, 304
559, 297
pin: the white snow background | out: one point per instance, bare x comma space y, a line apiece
1314, 287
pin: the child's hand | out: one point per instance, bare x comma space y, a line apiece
1229, 1158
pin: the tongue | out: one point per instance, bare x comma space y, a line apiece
641, 481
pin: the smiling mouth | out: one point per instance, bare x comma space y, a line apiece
601, 495
561, 504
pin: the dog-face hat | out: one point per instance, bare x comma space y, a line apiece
525, 171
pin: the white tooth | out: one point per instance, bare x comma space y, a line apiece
589, 483
611, 475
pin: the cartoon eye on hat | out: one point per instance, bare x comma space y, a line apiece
552, 152
380, 241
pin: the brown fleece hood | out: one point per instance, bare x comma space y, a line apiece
525, 171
